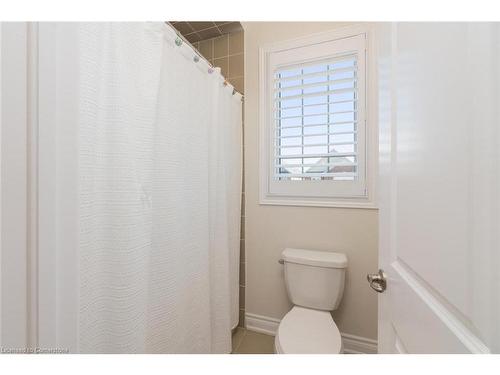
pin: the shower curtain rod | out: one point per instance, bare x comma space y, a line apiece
168, 24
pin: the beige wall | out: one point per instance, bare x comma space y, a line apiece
269, 229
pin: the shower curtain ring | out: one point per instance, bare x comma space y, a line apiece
196, 58
178, 41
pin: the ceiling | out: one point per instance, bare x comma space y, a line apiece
194, 31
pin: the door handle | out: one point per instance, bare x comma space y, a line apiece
377, 281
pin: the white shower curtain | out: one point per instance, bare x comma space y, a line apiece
157, 157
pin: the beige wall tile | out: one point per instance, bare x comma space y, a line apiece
220, 46
242, 297
242, 318
238, 84
184, 28
236, 66
206, 49
235, 43
243, 136
197, 25
230, 27
242, 249
242, 275
242, 233
208, 33
222, 63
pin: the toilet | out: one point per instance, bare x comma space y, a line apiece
315, 285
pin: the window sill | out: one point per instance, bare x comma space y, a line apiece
313, 202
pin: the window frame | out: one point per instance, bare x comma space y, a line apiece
322, 193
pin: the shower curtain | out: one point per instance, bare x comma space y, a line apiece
152, 151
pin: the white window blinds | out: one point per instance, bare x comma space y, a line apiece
316, 120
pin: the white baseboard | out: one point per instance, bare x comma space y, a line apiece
352, 344
261, 324
358, 345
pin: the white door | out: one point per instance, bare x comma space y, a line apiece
439, 181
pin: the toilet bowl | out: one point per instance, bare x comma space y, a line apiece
307, 331
315, 283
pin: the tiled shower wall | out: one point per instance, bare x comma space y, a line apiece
226, 52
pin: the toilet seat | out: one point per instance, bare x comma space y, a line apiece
307, 331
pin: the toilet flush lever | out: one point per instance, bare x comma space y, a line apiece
377, 281
281, 261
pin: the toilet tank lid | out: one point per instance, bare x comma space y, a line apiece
315, 258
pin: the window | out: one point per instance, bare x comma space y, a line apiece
314, 128
315, 109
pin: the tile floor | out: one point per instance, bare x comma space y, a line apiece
248, 342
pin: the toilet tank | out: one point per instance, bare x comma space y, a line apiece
314, 279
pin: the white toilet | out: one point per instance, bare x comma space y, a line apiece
315, 284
